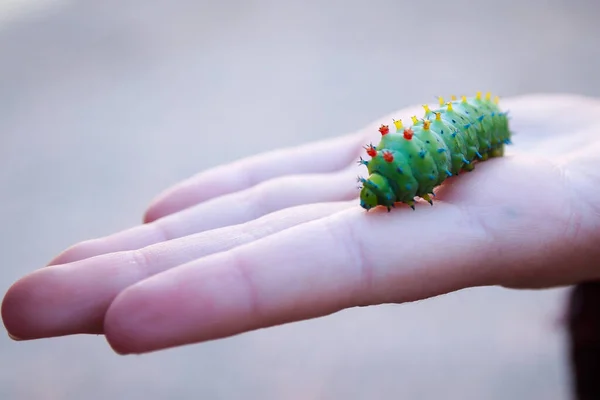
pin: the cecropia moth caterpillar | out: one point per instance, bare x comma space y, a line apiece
412, 161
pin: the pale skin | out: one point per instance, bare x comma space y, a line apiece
280, 237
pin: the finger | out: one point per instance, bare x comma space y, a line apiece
548, 117
321, 157
73, 298
235, 208
357, 258
159, 230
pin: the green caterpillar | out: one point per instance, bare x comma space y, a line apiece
412, 161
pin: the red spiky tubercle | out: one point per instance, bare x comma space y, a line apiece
387, 156
384, 130
371, 150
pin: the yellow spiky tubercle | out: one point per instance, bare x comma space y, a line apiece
412, 161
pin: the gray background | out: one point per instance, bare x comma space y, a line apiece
104, 103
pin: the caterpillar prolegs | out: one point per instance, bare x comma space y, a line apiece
412, 161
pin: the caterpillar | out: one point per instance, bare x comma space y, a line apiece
412, 161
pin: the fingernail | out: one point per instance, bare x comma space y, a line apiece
14, 337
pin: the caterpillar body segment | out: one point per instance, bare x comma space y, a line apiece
413, 160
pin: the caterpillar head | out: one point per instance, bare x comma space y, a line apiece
368, 199
374, 189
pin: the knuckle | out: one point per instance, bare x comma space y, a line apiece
353, 257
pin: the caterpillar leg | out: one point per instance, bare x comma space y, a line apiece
427, 198
469, 167
472, 153
458, 160
498, 151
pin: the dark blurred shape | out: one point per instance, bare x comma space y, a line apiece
584, 330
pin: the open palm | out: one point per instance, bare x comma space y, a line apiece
280, 237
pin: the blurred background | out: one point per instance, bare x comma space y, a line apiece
105, 103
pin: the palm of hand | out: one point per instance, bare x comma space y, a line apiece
280, 238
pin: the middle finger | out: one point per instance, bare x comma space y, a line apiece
235, 208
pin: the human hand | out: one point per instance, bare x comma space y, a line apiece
281, 237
